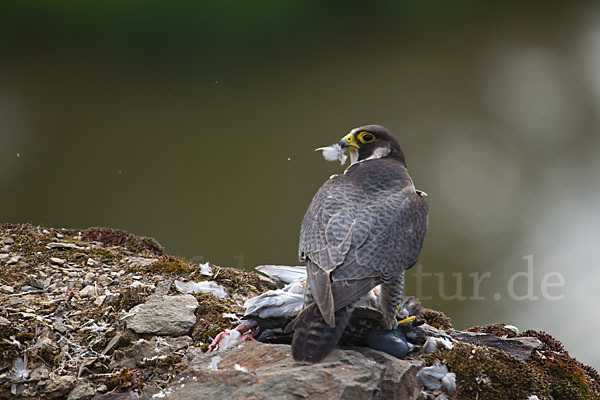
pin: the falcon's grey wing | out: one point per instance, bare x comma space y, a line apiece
326, 237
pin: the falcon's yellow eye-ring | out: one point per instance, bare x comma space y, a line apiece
366, 137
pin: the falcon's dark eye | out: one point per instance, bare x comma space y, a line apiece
366, 137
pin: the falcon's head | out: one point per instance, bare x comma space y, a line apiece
370, 142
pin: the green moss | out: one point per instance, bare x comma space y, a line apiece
116, 237
36, 249
487, 373
242, 282
123, 379
25, 336
437, 319
566, 382
209, 314
566, 377
100, 254
130, 297
169, 265
169, 362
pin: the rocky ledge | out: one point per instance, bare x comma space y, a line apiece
101, 313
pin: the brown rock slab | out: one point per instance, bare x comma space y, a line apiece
257, 371
519, 347
58, 387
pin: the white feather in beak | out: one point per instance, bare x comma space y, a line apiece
333, 153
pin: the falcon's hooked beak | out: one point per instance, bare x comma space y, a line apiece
350, 143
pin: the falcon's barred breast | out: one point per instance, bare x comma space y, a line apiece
362, 229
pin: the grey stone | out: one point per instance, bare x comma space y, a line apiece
112, 343
7, 289
7, 240
257, 370
40, 373
99, 300
139, 261
104, 280
102, 388
65, 246
88, 291
38, 283
118, 396
59, 325
57, 260
13, 260
58, 387
89, 278
163, 287
81, 391
163, 315
91, 262
519, 347
46, 349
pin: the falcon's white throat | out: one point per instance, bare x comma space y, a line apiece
379, 152
353, 155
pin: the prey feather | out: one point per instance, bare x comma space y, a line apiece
333, 153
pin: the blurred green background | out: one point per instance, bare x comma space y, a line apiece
196, 123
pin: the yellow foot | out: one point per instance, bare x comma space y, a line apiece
407, 320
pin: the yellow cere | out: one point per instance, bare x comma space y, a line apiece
366, 137
351, 141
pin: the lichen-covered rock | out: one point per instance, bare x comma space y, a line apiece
257, 370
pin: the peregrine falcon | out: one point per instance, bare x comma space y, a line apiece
362, 229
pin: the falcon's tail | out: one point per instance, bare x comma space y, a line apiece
314, 339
